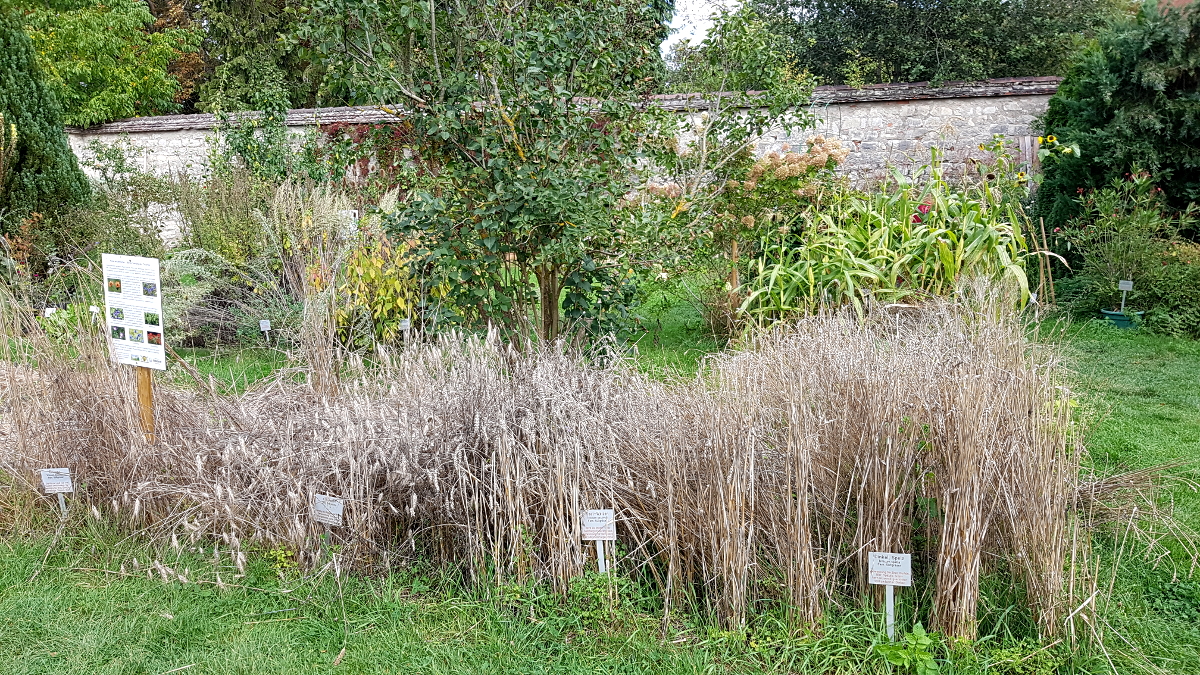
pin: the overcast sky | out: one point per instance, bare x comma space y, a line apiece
693, 19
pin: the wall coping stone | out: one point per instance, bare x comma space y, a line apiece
824, 95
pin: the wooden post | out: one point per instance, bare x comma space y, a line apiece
1049, 267
145, 394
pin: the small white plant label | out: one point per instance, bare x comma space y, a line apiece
1125, 285
327, 509
599, 525
49, 311
93, 309
264, 325
405, 324
57, 481
889, 569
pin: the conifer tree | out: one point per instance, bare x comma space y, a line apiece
43, 174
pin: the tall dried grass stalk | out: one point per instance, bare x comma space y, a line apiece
771, 476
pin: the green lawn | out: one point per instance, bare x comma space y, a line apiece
74, 620
234, 368
1140, 395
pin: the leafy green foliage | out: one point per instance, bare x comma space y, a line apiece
104, 64
1129, 101
911, 241
1127, 231
252, 48
42, 173
860, 42
914, 653
525, 121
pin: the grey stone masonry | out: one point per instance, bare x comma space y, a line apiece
886, 126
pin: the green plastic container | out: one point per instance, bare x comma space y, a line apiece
1122, 319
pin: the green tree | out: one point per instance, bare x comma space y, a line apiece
102, 61
867, 41
43, 175
1129, 103
527, 122
251, 47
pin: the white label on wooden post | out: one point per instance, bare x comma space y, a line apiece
133, 310
57, 480
327, 509
1125, 285
599, 525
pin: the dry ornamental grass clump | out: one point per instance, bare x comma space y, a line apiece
772, 475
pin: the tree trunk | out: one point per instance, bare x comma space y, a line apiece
549, 290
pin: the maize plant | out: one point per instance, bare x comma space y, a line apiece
889, 245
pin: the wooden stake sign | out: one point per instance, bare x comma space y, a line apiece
890, 570
133, 317
599, 525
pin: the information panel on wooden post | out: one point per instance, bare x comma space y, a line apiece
133, 310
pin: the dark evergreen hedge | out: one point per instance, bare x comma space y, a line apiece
1132, 101
45, 177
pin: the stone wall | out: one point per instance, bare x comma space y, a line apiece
886, 125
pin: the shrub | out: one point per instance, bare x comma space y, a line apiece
104, 62
1126, 231
863, 41
43, 176
1130, 100
1174, 297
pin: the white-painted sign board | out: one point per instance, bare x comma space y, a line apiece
599, 525
133, 310
264, 325
889, 569
1125, 285
57, 481
327, 509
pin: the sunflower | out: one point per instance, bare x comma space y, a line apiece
1051, 139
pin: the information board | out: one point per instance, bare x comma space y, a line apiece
599, 525
57, 481
327, 509
133, 310
889, 569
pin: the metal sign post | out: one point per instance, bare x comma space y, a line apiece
58, 481
327, 510
890, 570
1125, 285
264, 325
599, 525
